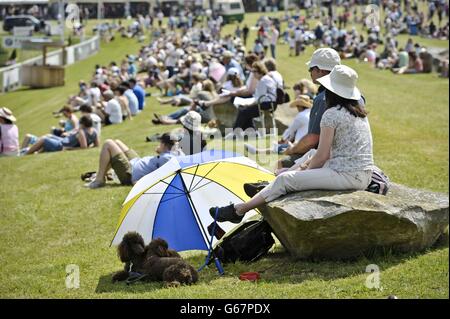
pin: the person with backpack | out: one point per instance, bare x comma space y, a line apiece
344, 157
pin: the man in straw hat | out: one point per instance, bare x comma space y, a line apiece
9, 133
296, 130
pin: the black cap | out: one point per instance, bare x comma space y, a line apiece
166, 139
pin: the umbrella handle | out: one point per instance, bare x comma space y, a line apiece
219, 266
211, 252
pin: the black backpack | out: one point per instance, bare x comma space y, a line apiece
282, 96
247, 243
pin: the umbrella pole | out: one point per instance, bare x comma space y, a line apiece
211, 251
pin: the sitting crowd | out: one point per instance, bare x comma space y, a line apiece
196, 71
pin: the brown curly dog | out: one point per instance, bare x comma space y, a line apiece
155, 261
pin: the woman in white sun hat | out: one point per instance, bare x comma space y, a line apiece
344, 159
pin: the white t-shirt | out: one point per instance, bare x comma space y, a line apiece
298, 128
94, 95
266, 87
114, 111
172, 58
97, 121
277, 77
274, 37
251, 83
298, 35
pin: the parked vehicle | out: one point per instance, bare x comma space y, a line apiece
24, 21
231, 10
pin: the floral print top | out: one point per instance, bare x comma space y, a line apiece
351, 149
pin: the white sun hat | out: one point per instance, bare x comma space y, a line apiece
342, 81
324, 59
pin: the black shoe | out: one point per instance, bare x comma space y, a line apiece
226, 214
251, 189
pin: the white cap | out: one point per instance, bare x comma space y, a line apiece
324, 59
342, 81
233, 71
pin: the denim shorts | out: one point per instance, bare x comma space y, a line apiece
33, 139
53, 144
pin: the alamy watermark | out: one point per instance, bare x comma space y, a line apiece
372, 13
373, 281
72, 276
235, 140
73, 16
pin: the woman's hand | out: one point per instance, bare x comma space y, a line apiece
279, 171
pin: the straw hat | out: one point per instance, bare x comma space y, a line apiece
324, 59
192, 120
7, 114
227, 54
303, 101
342, 81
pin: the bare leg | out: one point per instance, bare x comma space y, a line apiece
164, 101
36, 147
168, 121
109, 150
256, 201
26, 141
122, 145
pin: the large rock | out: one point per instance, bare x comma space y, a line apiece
339, 225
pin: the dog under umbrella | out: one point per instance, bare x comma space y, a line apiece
174, 203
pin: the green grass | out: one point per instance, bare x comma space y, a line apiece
49, 220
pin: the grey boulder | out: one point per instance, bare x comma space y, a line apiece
341, 225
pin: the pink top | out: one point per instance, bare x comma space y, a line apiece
9, 141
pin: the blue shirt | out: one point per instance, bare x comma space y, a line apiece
145, 165
317, 110
132, 70
132, 101
140, 94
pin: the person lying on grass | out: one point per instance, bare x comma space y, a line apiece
84, 137
127, 164
344, 158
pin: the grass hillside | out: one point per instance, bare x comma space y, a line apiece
49, 220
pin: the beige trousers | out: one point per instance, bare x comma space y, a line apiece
321, 178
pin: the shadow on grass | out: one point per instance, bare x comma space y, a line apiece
280, 267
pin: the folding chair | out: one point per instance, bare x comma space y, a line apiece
266, 116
